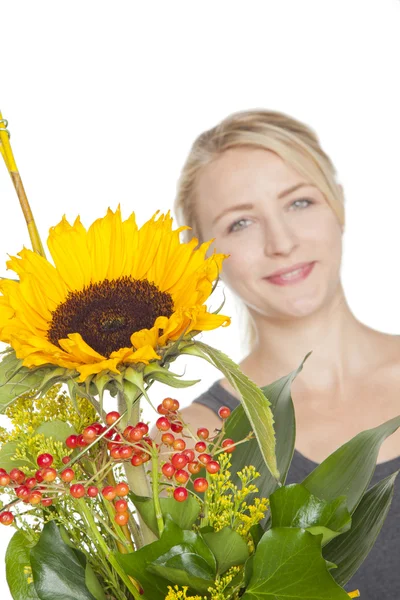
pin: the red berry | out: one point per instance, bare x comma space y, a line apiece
179, 445
127, 431
49, 474
72, 441
179, 461
180, 494
145, 456
163, 424
176, 427
31, 482
203, 433
89, 434
47, 501
189, 455
4, 479
168, 470
17, 475
125, 452
92, 491
22, 492
204, 458
121, 518
194, 467
143, 427
38, 476
122, 489
81, 441
77, 490
3, 472
181, 476
167, 438
136, 434
65, 460
136, 460
44, 460
6, 517
228, 445
98, 427
109, 492
110, 433
200, 447
121, 506
161, 410
115, 452
168, 404
35, 497
175, 406
67, 475
111, 417
200, 484
213, 467
224, 412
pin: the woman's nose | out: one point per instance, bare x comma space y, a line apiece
280, 239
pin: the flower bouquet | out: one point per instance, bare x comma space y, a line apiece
103, 508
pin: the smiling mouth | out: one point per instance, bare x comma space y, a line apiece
297, 274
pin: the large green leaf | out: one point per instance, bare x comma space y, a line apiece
349, 550
16, 380
138, 564
228, 547
184, 515
349, 469
255, 404
288, 565
295, 506
238, 426
7, 453
18, 568
58, 430
59, 572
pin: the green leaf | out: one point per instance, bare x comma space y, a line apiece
349, 550
228, 547
59, 572
349, 469
183, 514
18, 568
184, 565
255, 404
58, 430
238, 426
138, 564
7, 453
295, 506
288, 565
16, 380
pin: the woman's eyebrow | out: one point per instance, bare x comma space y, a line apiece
293, 188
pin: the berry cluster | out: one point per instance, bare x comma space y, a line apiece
115, 444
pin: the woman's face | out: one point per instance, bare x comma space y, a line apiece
283, 238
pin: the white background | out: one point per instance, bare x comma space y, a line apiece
104, 99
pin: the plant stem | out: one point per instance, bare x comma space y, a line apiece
156, 499
108, 554
137, 476
9, 160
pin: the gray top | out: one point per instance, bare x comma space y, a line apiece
378, 578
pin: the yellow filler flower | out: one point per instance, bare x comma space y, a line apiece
116, 294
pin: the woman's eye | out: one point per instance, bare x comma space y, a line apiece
301, 203
238, 225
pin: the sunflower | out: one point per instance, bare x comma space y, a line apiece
116, 295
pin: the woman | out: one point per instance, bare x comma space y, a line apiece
260, 184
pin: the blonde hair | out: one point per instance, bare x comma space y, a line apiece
290, 139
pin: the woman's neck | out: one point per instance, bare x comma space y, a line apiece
333, 335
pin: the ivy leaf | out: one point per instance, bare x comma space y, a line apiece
295, 506
18, 568
184, 515
288, 565
228, 547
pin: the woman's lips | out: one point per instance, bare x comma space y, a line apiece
298, 273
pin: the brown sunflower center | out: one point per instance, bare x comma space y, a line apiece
107, 313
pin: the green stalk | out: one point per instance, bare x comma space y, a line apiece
138, 480
156, 499
108, 554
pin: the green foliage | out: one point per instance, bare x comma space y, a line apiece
228, 547
184, 515
16, 380
18, 568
